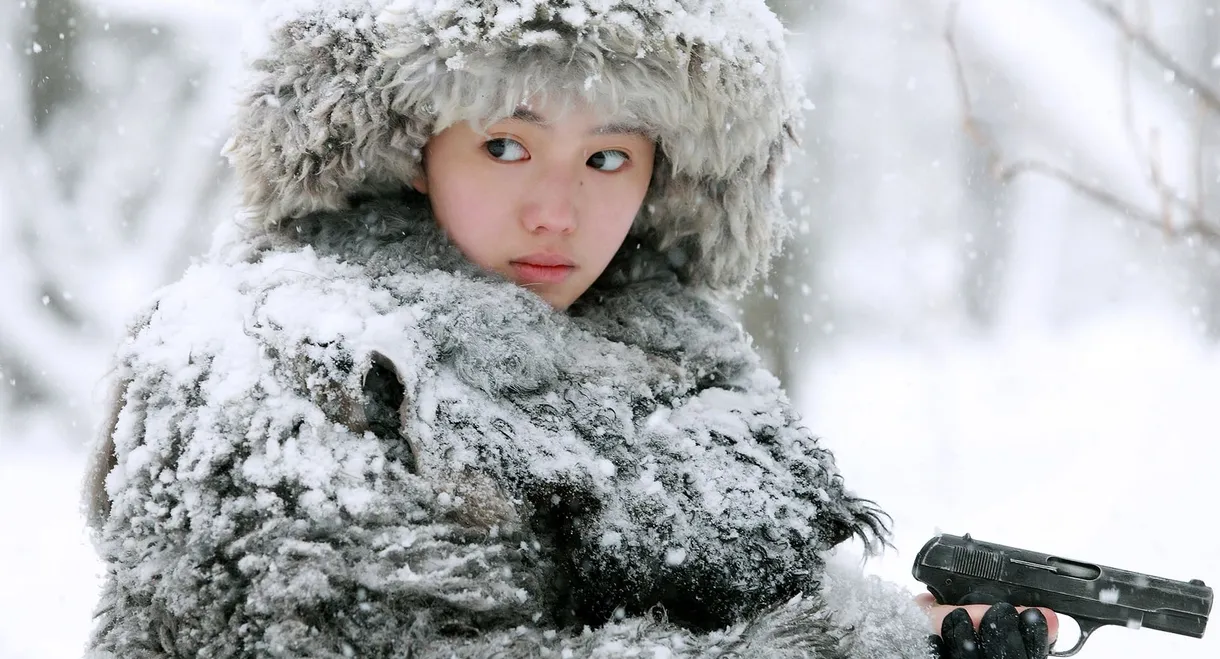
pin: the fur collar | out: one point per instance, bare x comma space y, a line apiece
503, 338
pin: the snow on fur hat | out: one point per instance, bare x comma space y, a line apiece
346, 93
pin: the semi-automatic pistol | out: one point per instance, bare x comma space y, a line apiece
962, 570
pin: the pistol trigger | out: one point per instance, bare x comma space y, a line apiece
1087, 627
940, 599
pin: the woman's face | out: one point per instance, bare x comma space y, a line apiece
543, 198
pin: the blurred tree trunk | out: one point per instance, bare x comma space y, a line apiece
988, 233
37, 68
110, 181
1204, 269
54, 80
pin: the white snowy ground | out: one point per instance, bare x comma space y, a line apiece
1096, 443
48, 574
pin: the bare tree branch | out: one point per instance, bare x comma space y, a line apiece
1139, 36
1006, 171
1125, 89
1150, 153
1199, 163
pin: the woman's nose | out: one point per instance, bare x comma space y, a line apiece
552, 205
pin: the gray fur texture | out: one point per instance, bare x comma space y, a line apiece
620, 480
346, 94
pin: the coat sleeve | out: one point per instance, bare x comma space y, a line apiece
881, 616
873, 618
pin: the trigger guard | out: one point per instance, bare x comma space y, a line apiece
1085, 631
1071, 652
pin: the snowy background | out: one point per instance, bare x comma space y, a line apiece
1007, 358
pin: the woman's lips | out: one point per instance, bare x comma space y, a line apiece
542, 268
534, 273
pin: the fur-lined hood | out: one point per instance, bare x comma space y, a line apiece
345, 93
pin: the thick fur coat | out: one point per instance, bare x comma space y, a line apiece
355, 442
336, 437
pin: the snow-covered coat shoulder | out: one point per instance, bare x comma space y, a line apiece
354, 443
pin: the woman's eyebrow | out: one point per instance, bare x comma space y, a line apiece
621, 128
529, 117
612, 128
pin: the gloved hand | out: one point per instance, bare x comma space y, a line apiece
1002, 634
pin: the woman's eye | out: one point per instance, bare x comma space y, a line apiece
508, 150
608, 161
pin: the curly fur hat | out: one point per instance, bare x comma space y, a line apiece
345, 94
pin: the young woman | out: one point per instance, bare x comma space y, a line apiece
461, 386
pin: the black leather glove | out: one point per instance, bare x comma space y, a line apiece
1003, 634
